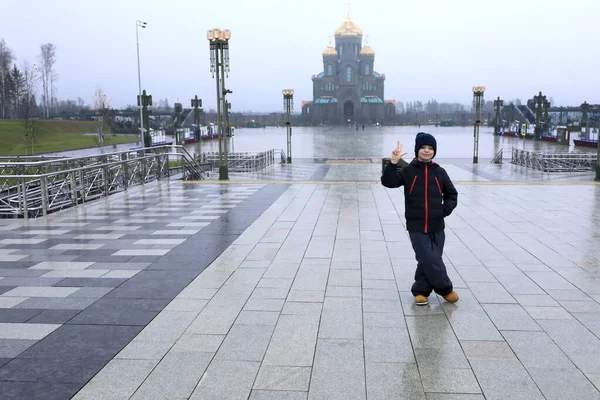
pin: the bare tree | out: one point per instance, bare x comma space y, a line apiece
6, 59
53, 91
102, 113
31, 76
47, 60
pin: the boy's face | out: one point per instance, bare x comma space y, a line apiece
425, 153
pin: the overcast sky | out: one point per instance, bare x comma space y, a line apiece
427, 48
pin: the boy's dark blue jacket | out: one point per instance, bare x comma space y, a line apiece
429, 195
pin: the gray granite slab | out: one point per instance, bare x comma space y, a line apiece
226, 379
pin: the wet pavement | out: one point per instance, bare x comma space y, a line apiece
294, 283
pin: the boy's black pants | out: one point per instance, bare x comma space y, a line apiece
431, 272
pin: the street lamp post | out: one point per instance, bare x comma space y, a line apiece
196, 102
219, 66
584, 120
546, 106
477, 101
140, 24
497, 105
288, 105
144, 101
539, 103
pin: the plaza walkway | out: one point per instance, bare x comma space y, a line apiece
293, 284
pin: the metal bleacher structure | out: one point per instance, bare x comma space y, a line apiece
550, 161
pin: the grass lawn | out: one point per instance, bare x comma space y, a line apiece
52, 136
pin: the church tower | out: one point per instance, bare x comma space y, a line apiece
348, 43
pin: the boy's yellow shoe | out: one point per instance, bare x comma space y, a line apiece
421, 300
451, 297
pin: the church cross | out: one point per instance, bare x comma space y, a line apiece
348, 4
366, 39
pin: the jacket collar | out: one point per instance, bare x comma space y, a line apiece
418, 163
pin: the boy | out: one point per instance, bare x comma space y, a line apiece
429, 197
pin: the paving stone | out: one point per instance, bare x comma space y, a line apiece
245, 343
536, 300
487, 350
343, 291
310, 296
450, 396
473, 326
396, 381
277, 395
11, 348
338, 370
258, 304
510, 317
448, 380
109, 311
169, 380
50, 370
26, 331
272, 377
33, 291
270, 293
491, 293
224, 379
536, 349
548, 313
214, 320
341, 277
52, 316
293, 341
82, 342
383, 306
257, 318
38, 390
388, 345
142, 350
291, 307
17, 315
49, 303
445, 357
502, 379
563, 384
28, 281
198, 343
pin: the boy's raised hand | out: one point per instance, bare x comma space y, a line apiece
397, 153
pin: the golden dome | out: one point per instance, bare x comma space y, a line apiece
366, 51
330, 51
348, 28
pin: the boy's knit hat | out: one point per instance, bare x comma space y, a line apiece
423, 139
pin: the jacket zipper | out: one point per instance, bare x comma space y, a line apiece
413, 185
426, 199
438, 184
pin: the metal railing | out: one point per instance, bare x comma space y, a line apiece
555, 161
242, 162
499, 156
33, 189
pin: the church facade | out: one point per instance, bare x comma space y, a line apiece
348, 90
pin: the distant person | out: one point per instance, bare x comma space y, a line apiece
363, 127
429, 197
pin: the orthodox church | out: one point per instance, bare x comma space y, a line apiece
349, 90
